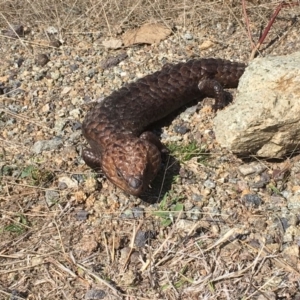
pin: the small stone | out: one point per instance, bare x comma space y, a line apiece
206, 192
76, 126
40, 75
95, 294
75, 113
45, 108
66, 182
252, 168
186, 115
251, 200
55, 43
52, 30
188, 36
42, 59
293, 202
181, 129
60, 123
283, 222
52, 197
209, 184
80, 196
185, 225
90, 185
135, 257
242, 185
55, 75
286, 194
277, 201
74, 67
193, 214
20, 61
124, 252
128, 214
230, 28
197, 197
15, 31
138, 212
81, 215
258, 184
142, 237
46, 145
91, 73
294, 232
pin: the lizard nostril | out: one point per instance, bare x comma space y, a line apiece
134, 182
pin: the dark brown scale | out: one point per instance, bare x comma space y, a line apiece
113, 127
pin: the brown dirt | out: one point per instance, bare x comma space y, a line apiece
67, 233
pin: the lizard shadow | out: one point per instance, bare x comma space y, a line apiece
170, 165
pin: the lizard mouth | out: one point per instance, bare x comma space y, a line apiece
135, 185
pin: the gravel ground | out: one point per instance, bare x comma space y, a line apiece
213, 226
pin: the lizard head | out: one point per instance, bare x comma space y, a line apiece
131, 164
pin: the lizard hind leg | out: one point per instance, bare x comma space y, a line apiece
153, 139
213, 88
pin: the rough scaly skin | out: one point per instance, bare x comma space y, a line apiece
129, 157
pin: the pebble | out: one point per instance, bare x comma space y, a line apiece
55, 75
14, 31
293, 202
194, 214
138, 212
209, 184
286, 194
251, 200
142, 237
74, 67
60, 124
52, 30
46, 145
80, 178
127, 214
197, 197
42, 59
186, 115
292, 234
188, 36
75, 113
252, 168
181, 129
95, 294
66, 182
52, 197
81, 215
185, 225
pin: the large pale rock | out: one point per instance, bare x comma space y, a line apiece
265, 117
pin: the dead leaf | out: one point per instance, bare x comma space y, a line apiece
112, 44
206, 44
147, 34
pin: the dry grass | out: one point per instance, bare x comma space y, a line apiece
47, 252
